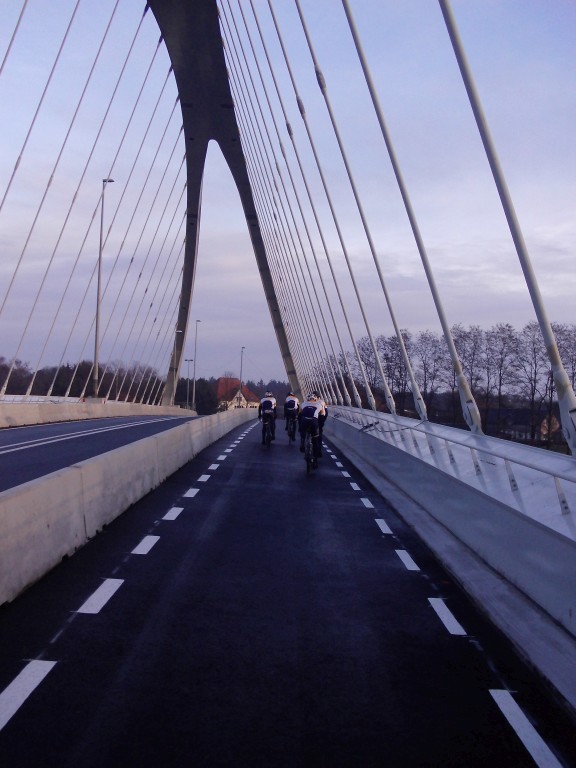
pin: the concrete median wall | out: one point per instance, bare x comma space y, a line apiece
46, 412
46, 519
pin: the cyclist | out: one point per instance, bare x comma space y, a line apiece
291, 408
267, 410
310, 411
322, 419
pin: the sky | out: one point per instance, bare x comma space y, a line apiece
523, 60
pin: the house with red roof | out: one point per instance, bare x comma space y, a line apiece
230, 396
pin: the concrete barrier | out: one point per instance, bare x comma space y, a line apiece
533, 558
27, 414
46, 519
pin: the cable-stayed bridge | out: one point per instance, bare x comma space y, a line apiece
102, 273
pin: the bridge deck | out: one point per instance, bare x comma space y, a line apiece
277, 619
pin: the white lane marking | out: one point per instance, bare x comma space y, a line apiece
367, 503
354, 486
383, 526
145, 545
345, 474
213, 466
339, 464
98, 599
221, 458
191, 492
15, 694
407, 560
228, 450
446, 616
534, 743
333, 456
203, 478
173, 513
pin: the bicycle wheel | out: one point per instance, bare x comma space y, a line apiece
292, 430
268, 435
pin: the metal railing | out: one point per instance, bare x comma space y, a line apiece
533, 481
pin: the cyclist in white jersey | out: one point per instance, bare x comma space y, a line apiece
310, 411
267, 409
291, 408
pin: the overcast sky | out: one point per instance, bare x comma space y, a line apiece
523, 59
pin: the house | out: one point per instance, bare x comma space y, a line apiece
229, 395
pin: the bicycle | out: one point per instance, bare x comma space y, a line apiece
267, 430
311, 461
292, 428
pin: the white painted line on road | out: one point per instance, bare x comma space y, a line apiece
203, 478
191, 492
213, 466
12, 697
228, 450
145, 545
354, 486
446, 616
383, 526
333, 456
534, 743
346, 474
339, 464
407, 560
173, 513
367, 503
221, 458
98, 600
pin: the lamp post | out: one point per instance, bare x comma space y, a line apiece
240, 390
194, 374
188, 360
98, 289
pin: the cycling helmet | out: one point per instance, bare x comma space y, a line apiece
268, 394
312, 396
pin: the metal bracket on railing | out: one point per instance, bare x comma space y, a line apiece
564, 506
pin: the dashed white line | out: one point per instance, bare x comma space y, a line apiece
213, 466
383, 526
221, 458
407, 560
145, 545
12, 697
98, 599
345, 474
203, 478
367, 503
354, 486
191, 492
333, 456
173, 513
228, 450
339, 464
534, 743
446, 616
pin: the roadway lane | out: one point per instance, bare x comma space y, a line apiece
27, 453
243, 614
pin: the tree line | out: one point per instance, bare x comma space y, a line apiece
508, 371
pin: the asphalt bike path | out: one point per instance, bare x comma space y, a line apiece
246, 614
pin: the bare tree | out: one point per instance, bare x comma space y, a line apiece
500, 372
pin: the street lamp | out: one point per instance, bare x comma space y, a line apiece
240, 390
98, 288
188, 360
194, 374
